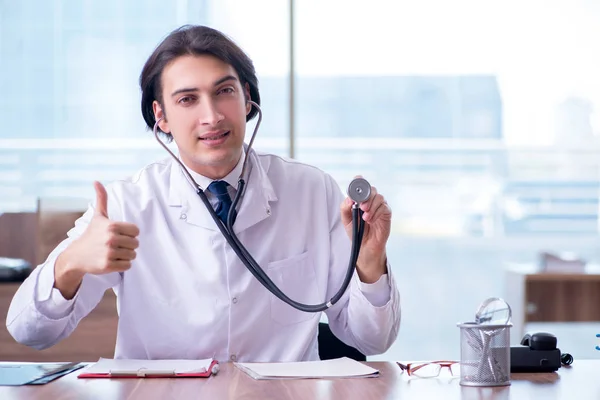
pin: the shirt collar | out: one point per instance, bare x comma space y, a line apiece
256, 176
231, 178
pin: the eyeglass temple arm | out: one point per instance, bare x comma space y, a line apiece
408, 369
444, 362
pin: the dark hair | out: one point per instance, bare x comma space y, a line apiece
194, 40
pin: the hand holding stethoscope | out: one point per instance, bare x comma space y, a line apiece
377, 221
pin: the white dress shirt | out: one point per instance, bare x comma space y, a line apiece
188, 296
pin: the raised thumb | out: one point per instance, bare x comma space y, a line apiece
101, 200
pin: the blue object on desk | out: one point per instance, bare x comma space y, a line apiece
17, 374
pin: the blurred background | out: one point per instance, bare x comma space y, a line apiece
478, 121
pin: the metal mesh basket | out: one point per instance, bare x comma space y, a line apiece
484, 354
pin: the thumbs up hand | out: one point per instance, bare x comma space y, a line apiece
101, 200
105, 246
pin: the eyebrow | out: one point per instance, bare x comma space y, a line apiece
194, 89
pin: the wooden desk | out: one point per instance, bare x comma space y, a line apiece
94, 337
579, 381
536, 296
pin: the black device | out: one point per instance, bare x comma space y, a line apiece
14, 269
538, 353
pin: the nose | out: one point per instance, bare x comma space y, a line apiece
209, 113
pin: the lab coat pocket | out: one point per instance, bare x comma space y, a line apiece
295, 276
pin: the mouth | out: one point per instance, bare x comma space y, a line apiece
215, 137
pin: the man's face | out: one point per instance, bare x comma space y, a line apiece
205, 110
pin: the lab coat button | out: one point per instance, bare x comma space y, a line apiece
233, 357
183, 216
234, 300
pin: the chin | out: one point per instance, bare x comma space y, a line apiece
217, 159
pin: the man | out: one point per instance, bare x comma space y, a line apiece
182, 291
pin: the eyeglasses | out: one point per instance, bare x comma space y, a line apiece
430, 369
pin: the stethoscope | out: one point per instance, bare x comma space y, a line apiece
359, 191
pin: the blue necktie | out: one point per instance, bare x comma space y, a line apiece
219, 189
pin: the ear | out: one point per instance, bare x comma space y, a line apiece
158, 114
247, 95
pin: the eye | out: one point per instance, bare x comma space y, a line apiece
226, 90
186, 100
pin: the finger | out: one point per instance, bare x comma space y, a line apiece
375, 204
101, 200
119, 265
121, 254
124, 242
346, 211
383, 211
366, 206
124, 228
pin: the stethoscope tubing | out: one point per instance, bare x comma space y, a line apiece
243, 253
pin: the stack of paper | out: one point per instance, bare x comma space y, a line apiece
337, 368
107, 367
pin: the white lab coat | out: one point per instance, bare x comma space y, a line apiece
187, 295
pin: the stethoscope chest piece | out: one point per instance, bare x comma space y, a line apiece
359, 190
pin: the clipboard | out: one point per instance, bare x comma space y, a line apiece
106, 368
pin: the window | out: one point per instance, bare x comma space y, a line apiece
477, 121
71, 101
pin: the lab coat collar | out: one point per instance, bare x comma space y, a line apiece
255, 204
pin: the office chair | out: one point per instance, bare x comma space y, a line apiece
331, 347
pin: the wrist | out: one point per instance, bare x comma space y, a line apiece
67, 277
371, 268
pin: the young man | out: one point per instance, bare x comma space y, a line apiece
182, 291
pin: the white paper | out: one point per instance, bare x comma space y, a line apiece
337, 368
127, 366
